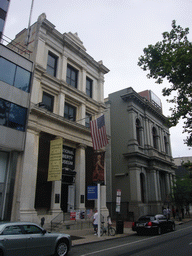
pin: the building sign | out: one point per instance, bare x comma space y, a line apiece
55, 160
91, 192
68, 158
98, 172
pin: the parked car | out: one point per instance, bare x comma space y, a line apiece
157, 223
29, 239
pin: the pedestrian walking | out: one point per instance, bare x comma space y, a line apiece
95, 222
173, 212
165, 212
168, 213
177, 213
187, 210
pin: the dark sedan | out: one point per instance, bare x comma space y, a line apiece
149, 223
25, 238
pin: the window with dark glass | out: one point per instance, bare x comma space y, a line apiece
48, 101
70, 112
52, 64
138, 128
155, 144
7, 71
14, 75
89, 85
142, 182
166, 145
72, 75
88, 118
12, 115
22, 79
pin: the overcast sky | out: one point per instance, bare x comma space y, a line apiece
115, 31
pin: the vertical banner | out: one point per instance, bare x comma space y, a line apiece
98, 171
55, 160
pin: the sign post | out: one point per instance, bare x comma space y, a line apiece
99, 210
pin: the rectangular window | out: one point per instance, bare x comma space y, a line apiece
52, 64
89, 84
7, 71
12, 115
22, 79
72, 75
70, 112
87, 120
14, 75
48, 101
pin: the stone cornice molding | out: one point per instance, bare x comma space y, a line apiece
132, 95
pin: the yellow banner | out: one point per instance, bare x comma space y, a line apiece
55, 160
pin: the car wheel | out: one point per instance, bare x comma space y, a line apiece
62, 248
159, 231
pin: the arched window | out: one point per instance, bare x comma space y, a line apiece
154, 132
138, 131
142, 182
166, 145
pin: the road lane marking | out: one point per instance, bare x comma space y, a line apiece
135, 242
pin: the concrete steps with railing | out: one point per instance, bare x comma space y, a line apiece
69, 224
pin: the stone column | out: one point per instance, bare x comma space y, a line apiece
135, 186
81, 114
36, 93
158, 186
29, 177
100, 93
80, 177
56, 197
135, 190
132, 143
64, 68
83, 81
42, 54
154, 186
61, 104
167, 183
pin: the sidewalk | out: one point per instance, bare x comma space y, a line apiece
85, 236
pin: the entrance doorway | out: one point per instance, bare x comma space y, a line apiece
68, 190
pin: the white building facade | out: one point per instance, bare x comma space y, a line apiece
67, 92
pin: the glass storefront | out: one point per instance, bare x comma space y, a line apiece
7, 179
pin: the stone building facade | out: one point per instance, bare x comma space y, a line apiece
142, 165
67, 92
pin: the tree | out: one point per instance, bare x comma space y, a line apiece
182, 191
171, 58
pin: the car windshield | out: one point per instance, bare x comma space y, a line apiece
146, 219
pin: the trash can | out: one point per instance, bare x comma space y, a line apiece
119, 226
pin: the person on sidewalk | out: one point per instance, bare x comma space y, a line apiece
95, 222
187, 210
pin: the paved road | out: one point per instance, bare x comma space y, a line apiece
174, 243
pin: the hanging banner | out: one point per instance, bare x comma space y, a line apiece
98, 172
68, 157
55, 160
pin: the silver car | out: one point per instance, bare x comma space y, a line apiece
26, 238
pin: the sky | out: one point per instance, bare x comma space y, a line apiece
116, 32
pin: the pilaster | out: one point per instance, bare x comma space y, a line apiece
29, 177
80, 177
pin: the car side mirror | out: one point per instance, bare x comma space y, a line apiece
44, 231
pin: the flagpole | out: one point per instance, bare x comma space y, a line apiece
99, 208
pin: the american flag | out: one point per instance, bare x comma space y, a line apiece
98, 133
